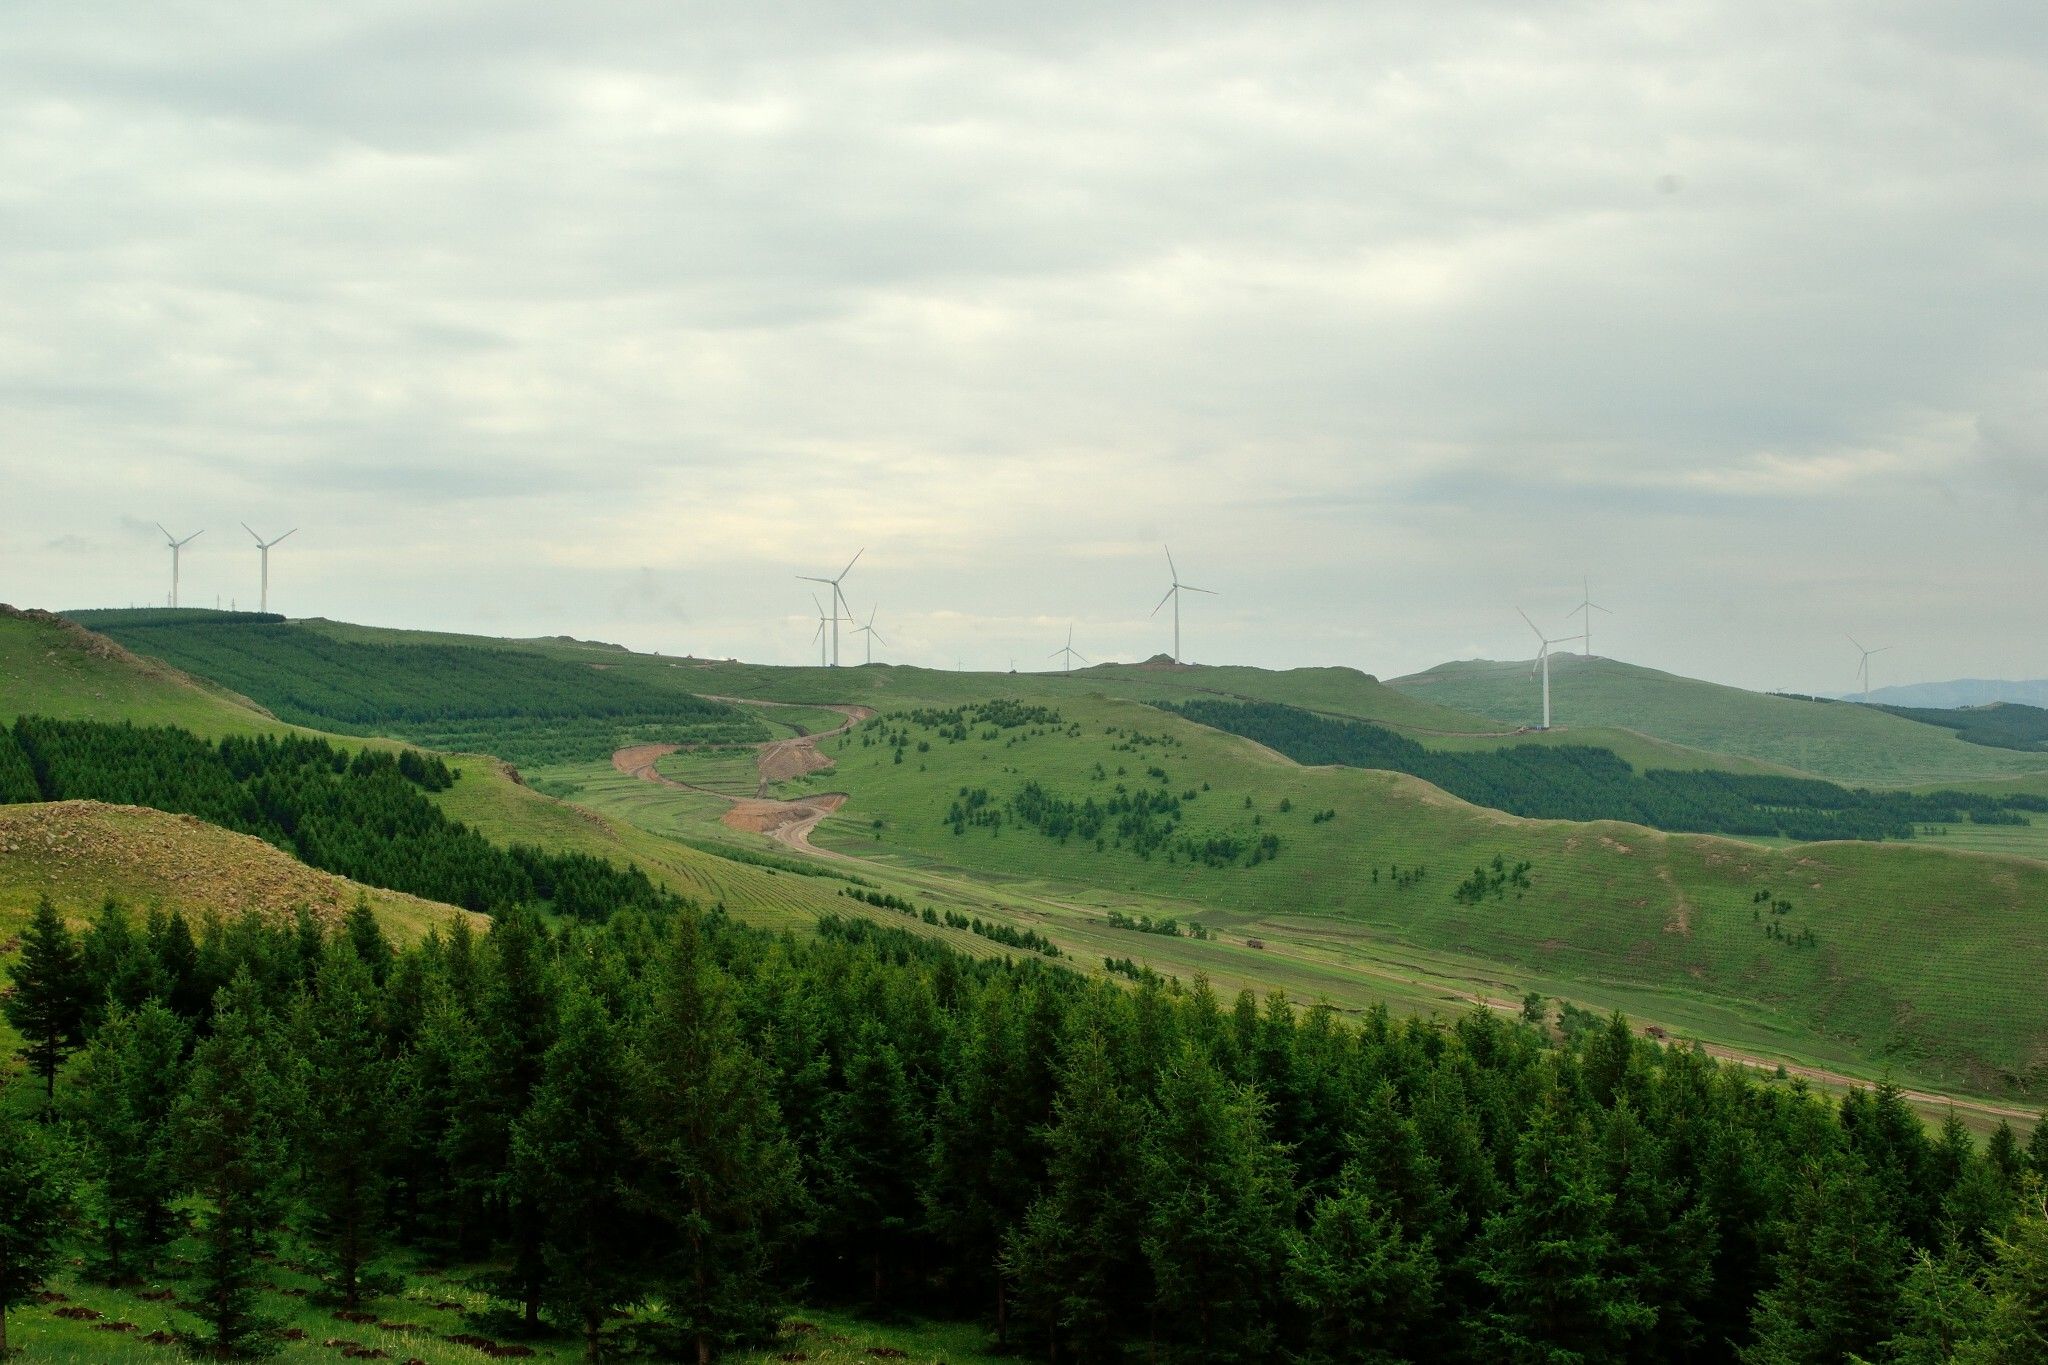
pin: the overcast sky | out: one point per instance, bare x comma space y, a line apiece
609, 319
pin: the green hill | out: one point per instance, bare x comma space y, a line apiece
1840, 741
966, 793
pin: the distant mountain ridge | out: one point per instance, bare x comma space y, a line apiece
1959, 692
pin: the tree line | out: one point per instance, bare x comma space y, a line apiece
693, 1122
523, 706
364, 816
1582, 782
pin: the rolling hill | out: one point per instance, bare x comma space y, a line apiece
1840, 741
959, 797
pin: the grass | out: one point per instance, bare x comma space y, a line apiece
1838, 740
53, 668
417, 1322
79, 852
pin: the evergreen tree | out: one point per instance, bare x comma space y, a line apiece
1664, 1243
1073, 1258
233, 1152
2015, 1328
1369, 1293
51, 996
571, 1166
719, 1176
872, 1156
1942, 1306
367, 939
345, 1119
1220, 1200
1839, 1277
516, 1020
120, 971
1548, 1255
35, 1204
127, 1088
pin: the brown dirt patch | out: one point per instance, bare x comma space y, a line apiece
1680, 920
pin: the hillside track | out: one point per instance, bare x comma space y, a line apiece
791, 823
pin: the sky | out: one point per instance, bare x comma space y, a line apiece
610, 319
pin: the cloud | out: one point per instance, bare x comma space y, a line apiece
1387, 316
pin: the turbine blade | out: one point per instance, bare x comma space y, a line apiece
1079, 655
809, 578
1189, 587
253, 536
1169, 563
851, 562
1854, 641
286, 536
1162, 601
1532, 625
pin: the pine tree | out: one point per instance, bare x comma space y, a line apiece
233, 1152
1073, 1258
719, 1175
120, 971
516, 1020
127, 1088
570, 1165
1664, 1243
2015, 1330
1548, 1254
344, 1121
366, 937
51, 996
35, 1205
1943, 1305
872, 1158
1220, 1198
1839, 1277
1369, 1292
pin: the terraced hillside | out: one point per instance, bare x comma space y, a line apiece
1841, 741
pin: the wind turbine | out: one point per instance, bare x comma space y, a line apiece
1863, 666
1174, 593
872, 634
176, 546
1587, 606
838, 598
1543, 661
820, 636
264, 546
1069, 652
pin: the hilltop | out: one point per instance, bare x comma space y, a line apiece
1840, 741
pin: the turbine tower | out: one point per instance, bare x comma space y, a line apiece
1543, 660
1069, 652
1863, 667
1174, 593
872, 634
264, 546
177, 545
839, 607
1587, 606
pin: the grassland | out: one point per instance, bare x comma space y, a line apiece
1836, 740
417, 1325
52, 668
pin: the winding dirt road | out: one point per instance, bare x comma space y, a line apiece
789, 823
782, 760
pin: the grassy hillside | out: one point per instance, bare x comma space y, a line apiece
1837, 740
52, 667
79, 852
1913, 947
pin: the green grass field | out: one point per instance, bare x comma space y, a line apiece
1836, 740
52, 668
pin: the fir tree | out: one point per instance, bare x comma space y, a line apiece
1548, 1256
872, 1155
233, 1152
344, 1122
1838, 1285
1073, 1258
35, 1205
51, 996
1942, 1306
127, 1088
1219, 1199
2015, 1330
720, 1177
1368, 1292
570, 1166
